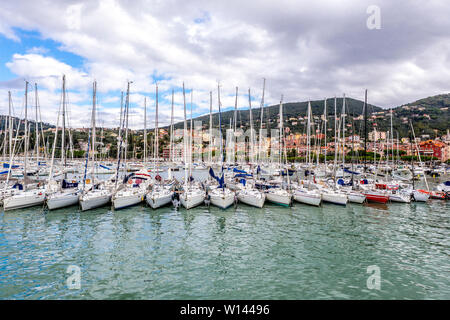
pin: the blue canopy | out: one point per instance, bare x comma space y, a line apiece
66, 184
221, 180
447, 183
242, 175
353, 172
18, 186
6, 165
342, 182
239, 171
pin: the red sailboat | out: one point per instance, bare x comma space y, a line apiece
376, 196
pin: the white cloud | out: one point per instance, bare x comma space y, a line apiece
305, 50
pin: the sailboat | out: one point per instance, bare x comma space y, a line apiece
332, 195
248, 193
192, 195
221, 196
98, 195
8, 190
375, 192
67, 193
160, 194
280, 195
132, 191
308, 195
353, 193
25, 198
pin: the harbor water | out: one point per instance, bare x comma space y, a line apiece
299, 252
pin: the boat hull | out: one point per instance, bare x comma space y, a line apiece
20, 201
126, 201
190, 201
356, 198
377, 198
401, 198
420, 196
280, 199
94, 202
62, 200
308, 198
334, 198
222, 202
251, 200
158, 201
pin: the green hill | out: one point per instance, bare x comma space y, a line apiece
430, 116
290, 110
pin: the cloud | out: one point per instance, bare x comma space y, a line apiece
305, 50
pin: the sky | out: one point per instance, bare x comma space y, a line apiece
398, 50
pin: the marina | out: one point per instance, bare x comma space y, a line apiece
217, 159
210, 253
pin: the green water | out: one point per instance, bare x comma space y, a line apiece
242, 253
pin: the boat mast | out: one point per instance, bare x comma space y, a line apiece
365, 130
210, 129
261, 123
156, 130
325, 131
185, 141
418, 154
26, 136
281, 133
94, 98
127, 109
392, 138
343, 134
171, 130
10, 126
190, 139
251, 149
63, 132
145, 132
335, 138
36, 126
119, 150
220, 126
308, 134
235, 124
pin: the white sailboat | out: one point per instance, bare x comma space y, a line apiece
308, 195
280, 195
251, 196
67, 193
160, 194
193, 195
130, 193
98, 196
221, 196
25, 198
333, 195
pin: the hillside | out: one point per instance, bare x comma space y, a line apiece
4, 118
430, 116
290, 110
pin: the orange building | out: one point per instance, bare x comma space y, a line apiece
433, 148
